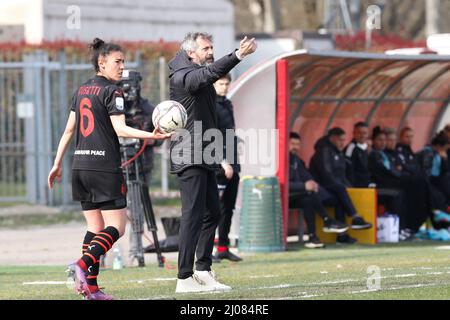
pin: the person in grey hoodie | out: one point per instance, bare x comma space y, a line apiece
193, 72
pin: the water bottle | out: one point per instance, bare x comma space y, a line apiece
117, 262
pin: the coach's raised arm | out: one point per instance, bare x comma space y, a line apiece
186, 69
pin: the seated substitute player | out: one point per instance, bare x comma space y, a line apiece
329, 168
97, 120
358, 156
304, 193
386, 174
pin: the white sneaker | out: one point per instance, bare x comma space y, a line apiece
210, 279
192, 284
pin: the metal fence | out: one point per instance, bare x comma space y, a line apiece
34, 105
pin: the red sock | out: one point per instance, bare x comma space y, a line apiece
82, 265
92, 289
222, 248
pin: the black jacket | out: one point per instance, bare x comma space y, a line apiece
408, 159
225, 117
192, 86
381, 175
328, 164
358, 159
298, 175
425, 159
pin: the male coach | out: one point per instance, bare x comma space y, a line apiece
193, 72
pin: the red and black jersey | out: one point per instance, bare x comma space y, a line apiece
97, 145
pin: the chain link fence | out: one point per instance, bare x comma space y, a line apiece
35, 96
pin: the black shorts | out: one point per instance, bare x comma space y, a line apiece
97, 190
107, 205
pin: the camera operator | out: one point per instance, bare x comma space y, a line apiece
138, 114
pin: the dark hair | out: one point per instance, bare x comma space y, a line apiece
336, 132
99, 48
388, 131
360, 124
227, 76
447, 127
376, 132
294, 135
440, 139
404, 130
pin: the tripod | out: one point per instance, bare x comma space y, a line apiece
140, 204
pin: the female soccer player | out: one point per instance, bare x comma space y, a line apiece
97, 119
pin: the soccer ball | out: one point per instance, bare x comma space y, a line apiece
169, 115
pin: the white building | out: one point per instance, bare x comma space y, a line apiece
139, 20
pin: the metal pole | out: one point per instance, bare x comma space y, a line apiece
432, 16
49, 127
346, 17
164, 146
62, 121
39, 132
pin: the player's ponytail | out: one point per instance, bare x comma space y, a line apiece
99, 48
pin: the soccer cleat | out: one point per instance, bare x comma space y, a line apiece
345, 239
210, 279
192, 284
227, 255
99, 295
358, 223
79, 277
313, 243
406, 235
335, 226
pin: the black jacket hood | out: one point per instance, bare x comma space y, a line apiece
179, 62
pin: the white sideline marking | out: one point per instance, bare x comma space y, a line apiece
44, 283
311, 296
158, 298
151, 279
403, 275
335, 282
364, 291
280, 286
420, 285
443, 248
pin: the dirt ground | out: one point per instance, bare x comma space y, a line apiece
60, 245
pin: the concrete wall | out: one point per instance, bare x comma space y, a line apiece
122, 20
27, 13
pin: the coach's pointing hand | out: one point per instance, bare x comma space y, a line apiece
247, 47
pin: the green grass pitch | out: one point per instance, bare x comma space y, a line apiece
417, 270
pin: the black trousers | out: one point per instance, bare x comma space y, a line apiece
439, 191
342, 202
395, 202
227, 205
310, 203
416, 198
200, 213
